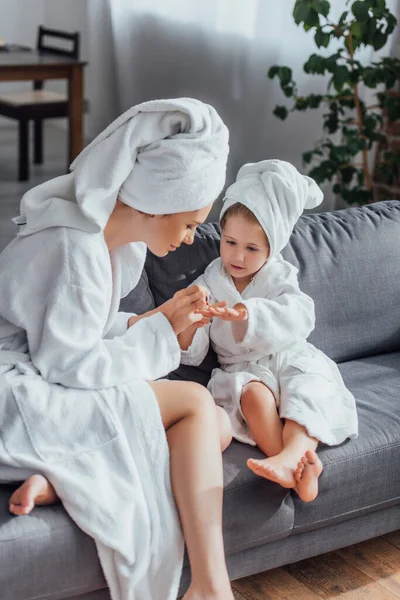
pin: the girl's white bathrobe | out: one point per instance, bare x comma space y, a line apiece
271, 347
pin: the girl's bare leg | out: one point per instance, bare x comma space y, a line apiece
189, 417
296, 466
259, 409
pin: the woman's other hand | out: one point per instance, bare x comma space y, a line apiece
185, 308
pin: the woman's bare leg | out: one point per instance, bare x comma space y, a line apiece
259, 409
297, 466
189, 417
38, 491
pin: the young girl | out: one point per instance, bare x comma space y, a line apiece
280, 392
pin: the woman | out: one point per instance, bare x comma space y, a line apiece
75, 405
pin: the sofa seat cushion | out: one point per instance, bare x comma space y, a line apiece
60, 561
44, 556
361, 475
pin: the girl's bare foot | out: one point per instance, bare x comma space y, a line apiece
307, 477
35, 491
275, 469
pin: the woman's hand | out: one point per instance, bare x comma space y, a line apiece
220, 310
185, 308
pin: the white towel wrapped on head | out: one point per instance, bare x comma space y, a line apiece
160, 157
276, 193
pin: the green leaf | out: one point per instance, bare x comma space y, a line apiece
315, 65
356, 29
301, 11
322, 7
288, 90
342, 19
347, 174
273, 72
322, 38
301, 103
285, 75
379, 40
281, 112
314, 100
340, 77
312, 20
307, 157
360, 10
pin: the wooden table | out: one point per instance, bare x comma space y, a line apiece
32, 65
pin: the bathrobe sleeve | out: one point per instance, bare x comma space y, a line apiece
286, 316
65, 331
120, 324
198, 349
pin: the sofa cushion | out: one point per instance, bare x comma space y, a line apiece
44, 555
348, 262
361, 475
140, 299
60, 561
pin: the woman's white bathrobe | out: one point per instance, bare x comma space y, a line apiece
76, 406
271, 347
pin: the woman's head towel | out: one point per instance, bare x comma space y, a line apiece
160, 157
276, 193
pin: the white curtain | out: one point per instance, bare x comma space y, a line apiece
216, 50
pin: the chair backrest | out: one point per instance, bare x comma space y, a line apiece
72, 42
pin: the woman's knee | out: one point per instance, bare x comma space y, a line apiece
225, 428
181, 399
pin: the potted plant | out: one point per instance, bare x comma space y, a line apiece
351, 126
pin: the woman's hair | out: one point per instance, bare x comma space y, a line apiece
238, 210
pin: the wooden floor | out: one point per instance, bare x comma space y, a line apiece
366, 571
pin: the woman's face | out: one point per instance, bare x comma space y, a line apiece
165, 233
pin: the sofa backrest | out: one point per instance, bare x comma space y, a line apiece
349, 263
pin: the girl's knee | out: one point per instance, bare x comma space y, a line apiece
225, 428
255, 391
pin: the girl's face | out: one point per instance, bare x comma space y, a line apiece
165, 233
244, 248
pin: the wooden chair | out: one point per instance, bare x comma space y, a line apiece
39, 103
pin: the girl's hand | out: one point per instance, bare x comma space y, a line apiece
220, 310
136, 318
185, 308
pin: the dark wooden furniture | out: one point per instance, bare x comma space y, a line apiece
46, 62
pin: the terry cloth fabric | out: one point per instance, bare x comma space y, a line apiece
276, 193
160, 157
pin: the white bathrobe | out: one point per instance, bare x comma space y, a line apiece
74, 402
77, 407
271, 347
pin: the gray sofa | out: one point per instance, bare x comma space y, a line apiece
349, 262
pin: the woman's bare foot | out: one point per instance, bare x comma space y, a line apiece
35, 491
192, 594
275, 469
307, 474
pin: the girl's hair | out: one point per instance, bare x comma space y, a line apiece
242, 211
238, 210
